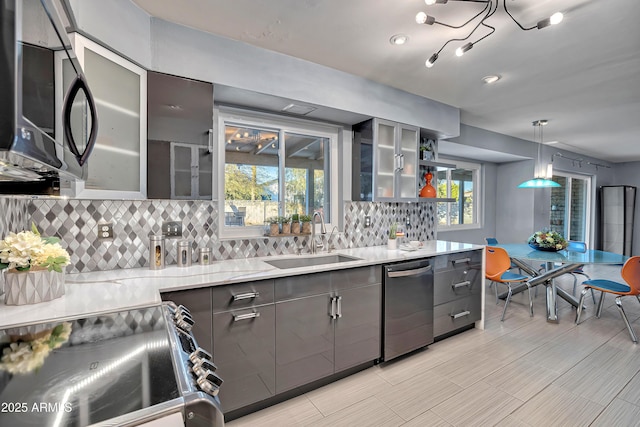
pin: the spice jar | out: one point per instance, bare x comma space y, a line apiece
156, 252
184, 253
204, 256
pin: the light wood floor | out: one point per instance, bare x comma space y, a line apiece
520, 372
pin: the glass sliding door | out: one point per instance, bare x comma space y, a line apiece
570, 206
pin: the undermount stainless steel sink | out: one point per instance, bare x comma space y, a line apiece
307, 261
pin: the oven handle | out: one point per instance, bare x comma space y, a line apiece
406, 273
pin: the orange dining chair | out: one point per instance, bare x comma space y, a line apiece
631, 274
497, 266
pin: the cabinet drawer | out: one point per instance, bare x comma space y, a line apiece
456, 314
356, 277
302, 286
457, 283
458, 260
242, 295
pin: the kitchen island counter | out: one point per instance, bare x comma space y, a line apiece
107, 291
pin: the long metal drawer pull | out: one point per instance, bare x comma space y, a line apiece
461, 314
406, 273
238, 317
461, 260
339, 304
461, 284
248, 295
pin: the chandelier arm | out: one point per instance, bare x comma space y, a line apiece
488, 15
504, 5
488, 3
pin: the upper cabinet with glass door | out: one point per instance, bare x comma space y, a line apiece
385, 158
180, 160
117, 167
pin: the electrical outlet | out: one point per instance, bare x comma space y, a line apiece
105, 231
172, 229
367, 221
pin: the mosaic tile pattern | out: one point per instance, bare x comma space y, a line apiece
14, 215
76, 223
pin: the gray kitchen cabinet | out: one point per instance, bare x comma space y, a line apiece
304, 341
325, 323
244, 342
198, 302
179, 145
457, 291
385, 158
357, 331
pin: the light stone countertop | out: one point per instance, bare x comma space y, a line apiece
108, 291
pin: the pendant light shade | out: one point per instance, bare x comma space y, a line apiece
543, 173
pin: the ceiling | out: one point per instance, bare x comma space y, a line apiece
583, 75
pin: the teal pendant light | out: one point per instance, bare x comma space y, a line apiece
542, 178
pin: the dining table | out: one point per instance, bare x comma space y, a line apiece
556, 264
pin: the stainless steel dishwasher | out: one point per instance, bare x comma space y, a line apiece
407, 308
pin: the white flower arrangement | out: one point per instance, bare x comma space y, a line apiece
21, 357
548, 240
28, 249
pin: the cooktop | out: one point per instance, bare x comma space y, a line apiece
85, 371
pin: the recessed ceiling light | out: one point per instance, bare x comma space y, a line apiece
491, 79
399, 39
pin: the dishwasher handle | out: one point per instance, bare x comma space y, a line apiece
407, 273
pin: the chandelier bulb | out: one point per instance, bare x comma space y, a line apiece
462, 49
429, 63
421, 18
554, 19
430, 2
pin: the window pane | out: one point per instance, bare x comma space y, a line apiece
441, 188
461, 185
306, 166
251, 180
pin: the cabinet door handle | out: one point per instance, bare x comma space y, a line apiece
332, 313
461, 260
461, 314
461, 284
253, 315
210, 144
247, 295
401, 161
339, 306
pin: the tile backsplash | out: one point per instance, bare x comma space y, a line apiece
76, 223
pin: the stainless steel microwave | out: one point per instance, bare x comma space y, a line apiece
48, 122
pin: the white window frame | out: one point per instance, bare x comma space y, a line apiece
477, 197
248, 118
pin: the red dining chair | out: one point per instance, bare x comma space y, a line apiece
631, 274
496, 270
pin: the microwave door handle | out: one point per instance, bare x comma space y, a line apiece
80, 84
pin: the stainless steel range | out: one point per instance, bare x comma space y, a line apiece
118, 369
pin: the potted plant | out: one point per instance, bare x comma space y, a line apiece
295, 224
273, 225
392, 243
34, 267
305, 220
285, 224
426, 151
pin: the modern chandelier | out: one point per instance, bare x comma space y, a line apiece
475, 23
543, 173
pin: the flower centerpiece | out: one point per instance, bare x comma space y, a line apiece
547, 240
26, 353
33, 267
